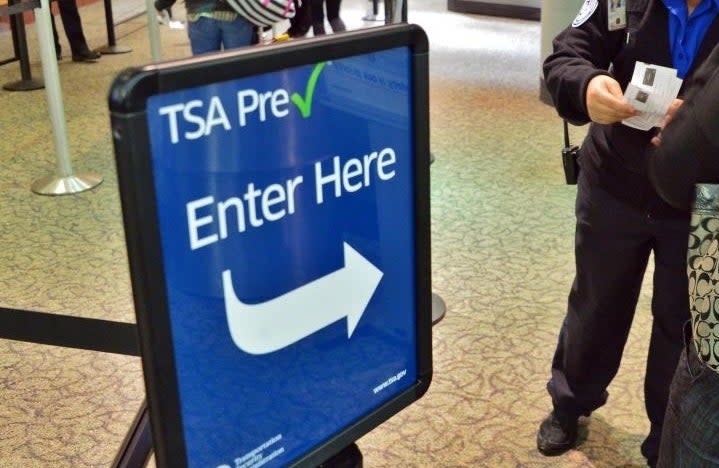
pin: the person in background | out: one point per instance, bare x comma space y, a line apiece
621, 219
302, 21
687, 154
213, 25
73, 30
333, 16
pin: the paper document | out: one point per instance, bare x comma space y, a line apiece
652, 89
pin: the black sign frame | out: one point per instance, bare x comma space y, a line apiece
128, 101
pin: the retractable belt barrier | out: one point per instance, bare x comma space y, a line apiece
68, 331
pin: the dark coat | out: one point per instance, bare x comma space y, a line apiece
689, 152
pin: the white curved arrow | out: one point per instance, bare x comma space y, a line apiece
272, 325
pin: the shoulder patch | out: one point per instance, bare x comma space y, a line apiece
585, 12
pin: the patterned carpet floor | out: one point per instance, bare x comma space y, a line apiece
502, 243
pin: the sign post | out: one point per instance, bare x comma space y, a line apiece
276, 208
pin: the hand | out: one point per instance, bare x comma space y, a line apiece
671, 110
605, 101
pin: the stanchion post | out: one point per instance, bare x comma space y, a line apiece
26, 82
64, 182
111, 47
153, 30
439, 308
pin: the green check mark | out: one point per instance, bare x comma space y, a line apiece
304, 104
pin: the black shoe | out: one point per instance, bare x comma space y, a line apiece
556, 436
86, 56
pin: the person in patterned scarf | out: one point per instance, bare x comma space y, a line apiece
685, 172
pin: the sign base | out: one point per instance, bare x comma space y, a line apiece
438, 308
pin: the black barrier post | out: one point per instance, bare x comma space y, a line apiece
26, 82
111, 47
439, 308
15, 39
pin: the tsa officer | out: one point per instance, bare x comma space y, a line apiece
621, 222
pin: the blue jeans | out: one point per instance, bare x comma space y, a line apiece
690, 436
210, 35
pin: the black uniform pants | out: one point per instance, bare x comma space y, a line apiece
613, 242
73, 26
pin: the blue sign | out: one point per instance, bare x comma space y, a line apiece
285, 203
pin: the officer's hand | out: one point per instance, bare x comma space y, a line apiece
671, 110
605, 101
657, 139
